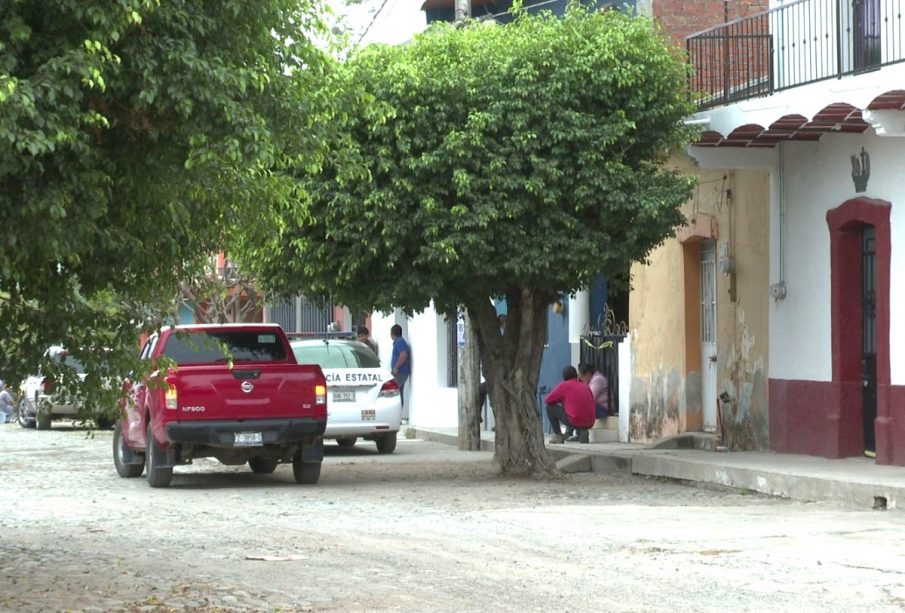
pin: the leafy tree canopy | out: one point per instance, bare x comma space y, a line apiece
133, 135
518, 160
526, 155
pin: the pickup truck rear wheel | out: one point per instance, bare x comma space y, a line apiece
262, 466
157, 476
305, 473
347, 442
123, 457
386, 443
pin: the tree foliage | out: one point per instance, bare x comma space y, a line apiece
518, 161
133, 135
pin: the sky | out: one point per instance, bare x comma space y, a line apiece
384, 21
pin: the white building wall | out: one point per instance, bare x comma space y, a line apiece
816, 177
431, 402
625, 377
897, 283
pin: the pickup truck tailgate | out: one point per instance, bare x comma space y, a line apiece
206, 392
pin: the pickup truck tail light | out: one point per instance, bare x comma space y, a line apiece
390, 389
171, 397
320, 394
47, 385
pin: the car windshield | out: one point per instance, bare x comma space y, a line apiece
214, 347
336, 355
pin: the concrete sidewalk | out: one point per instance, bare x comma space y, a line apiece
857, 482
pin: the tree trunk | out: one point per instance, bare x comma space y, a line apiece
511, 369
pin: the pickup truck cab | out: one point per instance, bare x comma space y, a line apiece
233, 392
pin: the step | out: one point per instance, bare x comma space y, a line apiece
704, 441
603, 435
607, 423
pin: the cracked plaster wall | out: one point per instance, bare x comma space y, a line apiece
665, 390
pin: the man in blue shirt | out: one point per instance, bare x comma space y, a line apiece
401, 364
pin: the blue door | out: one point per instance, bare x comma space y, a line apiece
557, 355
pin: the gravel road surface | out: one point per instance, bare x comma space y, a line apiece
428, 528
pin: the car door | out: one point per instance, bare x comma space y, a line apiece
136, 403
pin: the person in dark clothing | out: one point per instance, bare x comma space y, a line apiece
363, 335
401, 365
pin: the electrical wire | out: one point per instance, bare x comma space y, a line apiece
524, 8
373, 19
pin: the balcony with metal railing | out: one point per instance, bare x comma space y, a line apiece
792, 45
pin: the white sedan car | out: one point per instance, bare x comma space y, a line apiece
40, 401
362, 397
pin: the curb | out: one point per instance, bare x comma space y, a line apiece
771, 482
728, 470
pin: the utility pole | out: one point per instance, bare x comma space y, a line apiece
463, 10
469, 377
469, 360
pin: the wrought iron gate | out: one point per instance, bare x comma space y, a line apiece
600, 349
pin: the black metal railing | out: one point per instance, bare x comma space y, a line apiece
792, 45
315, 316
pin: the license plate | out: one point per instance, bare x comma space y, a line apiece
247, 438
348, 396
367, 415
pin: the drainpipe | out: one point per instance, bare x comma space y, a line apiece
778, 290
782, 216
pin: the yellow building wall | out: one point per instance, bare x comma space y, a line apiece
731, 207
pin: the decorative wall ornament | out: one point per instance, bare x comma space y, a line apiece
861, 171
607, 324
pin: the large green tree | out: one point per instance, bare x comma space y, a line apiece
134, 135
516, 160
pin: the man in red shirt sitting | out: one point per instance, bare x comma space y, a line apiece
572, 403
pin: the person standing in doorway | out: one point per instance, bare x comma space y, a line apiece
401, 365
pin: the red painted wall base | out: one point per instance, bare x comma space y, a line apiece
891, 430
807, 417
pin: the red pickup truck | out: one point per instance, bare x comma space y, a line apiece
233, 392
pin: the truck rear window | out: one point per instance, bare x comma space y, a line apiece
218, 347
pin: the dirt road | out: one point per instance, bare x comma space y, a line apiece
428, 528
